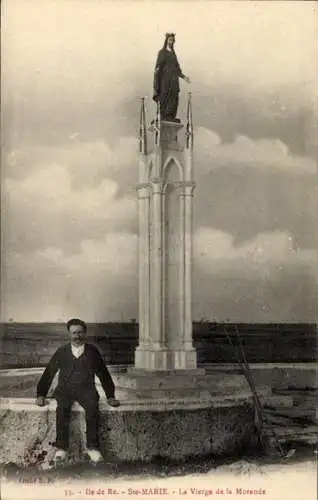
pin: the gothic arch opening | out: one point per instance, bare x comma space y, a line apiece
172, 254
172, 169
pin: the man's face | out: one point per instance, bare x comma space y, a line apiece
170, 42
77, 334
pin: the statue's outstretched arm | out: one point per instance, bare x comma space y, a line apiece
181, 74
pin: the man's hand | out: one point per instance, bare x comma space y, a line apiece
40, 401
187, 79
113, 402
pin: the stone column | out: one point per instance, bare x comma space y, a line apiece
182, 291
188, 230
143, 194
143, 263
156, 265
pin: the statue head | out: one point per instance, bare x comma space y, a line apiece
170, 39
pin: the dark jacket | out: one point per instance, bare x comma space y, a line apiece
76, 373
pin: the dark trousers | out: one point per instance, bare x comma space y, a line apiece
88, 399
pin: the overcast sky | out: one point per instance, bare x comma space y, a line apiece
72, 73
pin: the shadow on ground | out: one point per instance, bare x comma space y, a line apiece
159, 468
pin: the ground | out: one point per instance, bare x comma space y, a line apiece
197, 477
294, 479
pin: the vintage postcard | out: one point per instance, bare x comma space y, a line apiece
159, 249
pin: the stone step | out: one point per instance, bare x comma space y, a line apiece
286, 420
304, 397
291, 433
278, 401
277, 375
179, 379
293, 377
293, 412
228, 396
165, 394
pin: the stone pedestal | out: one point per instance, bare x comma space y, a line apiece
165, 360
197, 385
131, 432
167, 384
165, 198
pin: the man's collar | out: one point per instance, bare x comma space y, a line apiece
78, 350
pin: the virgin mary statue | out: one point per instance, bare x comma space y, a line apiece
166, 80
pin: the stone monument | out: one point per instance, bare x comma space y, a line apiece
165, 364
165, 200
165, 359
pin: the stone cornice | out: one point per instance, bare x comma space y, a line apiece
142, 185
157, 182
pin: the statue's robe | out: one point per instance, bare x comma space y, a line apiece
166, 83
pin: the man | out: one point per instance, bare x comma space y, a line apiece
166, 80
77, 362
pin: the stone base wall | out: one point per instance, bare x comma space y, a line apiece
131, 435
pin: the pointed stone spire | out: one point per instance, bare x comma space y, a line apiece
157, 126
189, 127
143, 129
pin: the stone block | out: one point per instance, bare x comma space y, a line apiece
289, 376
133, 433
188, 384
279, 400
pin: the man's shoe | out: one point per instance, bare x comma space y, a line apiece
95, 456
60, 456
113, 402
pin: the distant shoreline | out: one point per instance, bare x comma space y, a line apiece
32, 344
